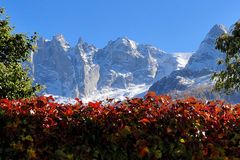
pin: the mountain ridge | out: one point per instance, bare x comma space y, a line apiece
85, 71
196, 76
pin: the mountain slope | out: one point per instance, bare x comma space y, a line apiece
52, 66
85, 71
123, 68
206, 56
123, 62
194, 79
182, 58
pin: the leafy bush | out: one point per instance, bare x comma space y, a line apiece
154, 127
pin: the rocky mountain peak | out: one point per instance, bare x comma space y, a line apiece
122, 64
59, 37
85, 49
194, 79
207, 56
82, 44
80, 41
216, 31
123, 42
59, 40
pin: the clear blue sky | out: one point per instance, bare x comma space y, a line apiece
171, 25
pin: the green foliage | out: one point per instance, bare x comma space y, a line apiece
229, 79
154, 127
14, 82
14, 50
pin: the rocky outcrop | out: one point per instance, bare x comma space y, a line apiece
123, 62
206, 56
181, 80
195, 78
198, 69
52, 67
86, 73
81, 70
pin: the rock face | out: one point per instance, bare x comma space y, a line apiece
124, 68
86, 73
63, 70
123, 62
206, 56
52, 66
81, 70
181, 80
197, 73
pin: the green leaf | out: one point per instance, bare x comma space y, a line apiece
158, 154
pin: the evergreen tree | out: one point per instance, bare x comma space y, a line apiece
14, 50
228, 79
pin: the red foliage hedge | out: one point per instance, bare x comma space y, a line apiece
154, 127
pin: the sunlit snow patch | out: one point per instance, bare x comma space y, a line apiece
117, 93
107, 93
182, 58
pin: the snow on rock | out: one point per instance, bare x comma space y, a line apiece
122, 68
182, 58
59, 40
185, 81
195, 78
87, 73
206, 56
117, 93
84, 69
124, 62
201, 64
53, 68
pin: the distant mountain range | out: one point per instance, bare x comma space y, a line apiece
122, 68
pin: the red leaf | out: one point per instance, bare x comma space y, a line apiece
69, 112
144, 120
95, 105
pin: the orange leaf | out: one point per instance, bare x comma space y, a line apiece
150, 94
144, 151
144, 120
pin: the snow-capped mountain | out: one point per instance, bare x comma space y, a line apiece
206, 56
195, 78
124, 68
124, 63
86, 72
182, 58
116, 70
52, 66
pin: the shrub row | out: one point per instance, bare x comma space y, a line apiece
154, 127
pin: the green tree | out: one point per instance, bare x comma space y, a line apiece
228, 80
15, 49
